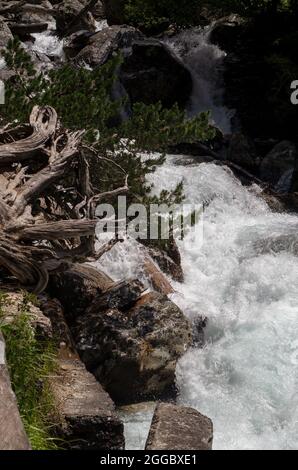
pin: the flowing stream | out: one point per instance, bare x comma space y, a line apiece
243, 277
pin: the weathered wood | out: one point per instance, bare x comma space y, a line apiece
43, 122
33, 243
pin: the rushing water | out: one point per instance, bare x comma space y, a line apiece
205, 63
244, 278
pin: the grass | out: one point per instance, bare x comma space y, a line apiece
30, 363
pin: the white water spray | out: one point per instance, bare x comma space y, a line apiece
204, 60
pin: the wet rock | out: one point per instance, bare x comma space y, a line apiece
77, 288
281, 159
16, 303
178, 428
152, 73
134, 353
169, 261
157, 278
102, 44
199, 325
12, 433
67, 11
5, 34
242, 151
86, 414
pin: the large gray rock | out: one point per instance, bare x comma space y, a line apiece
86, 414
40, 13
280, 160
152, 73
134, 352
103, 44
67, 11
12, 433
5, 34
179, 428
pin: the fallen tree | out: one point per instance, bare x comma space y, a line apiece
41, 234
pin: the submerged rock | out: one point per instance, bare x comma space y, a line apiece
134, 352
176, 427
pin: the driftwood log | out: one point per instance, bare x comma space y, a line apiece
39, 234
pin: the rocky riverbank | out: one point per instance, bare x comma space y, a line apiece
118, 341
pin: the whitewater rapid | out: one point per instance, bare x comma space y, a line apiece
243, 276
246, 377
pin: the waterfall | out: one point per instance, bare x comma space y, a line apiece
243, 277
205, 61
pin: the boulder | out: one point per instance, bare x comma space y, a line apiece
85, 413
97, 10
67, 11
15, 303
103, 44
40, 13
115, 11
12, 433
5, 34
179, 428
152, 73
242, 151
133, 353
77, 288
280, 160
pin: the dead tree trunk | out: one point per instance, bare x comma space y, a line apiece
34, 243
